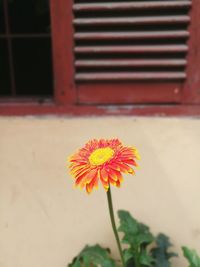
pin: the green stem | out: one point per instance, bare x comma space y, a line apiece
112, 218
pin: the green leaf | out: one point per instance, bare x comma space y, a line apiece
141, 258
145, 259
135, 233
143, 239
128, 224
138, 237
75, 263
192, 257
131, 262
93, 256
160, 252
128, 254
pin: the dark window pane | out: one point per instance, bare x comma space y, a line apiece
4, 69
29, 16
32, 62
2, 25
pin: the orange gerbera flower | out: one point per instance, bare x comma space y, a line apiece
102, 160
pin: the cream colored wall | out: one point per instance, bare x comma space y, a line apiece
44, 222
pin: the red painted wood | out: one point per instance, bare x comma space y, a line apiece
62, 32
99, 87
133, 20
31, 108
62, 19
191, 88
24, 100
130, 35
132, 49
131, 5
116, 93
125, 76
131, 63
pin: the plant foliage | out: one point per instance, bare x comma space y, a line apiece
192, 257
138, 237
93, 256
161, 252
142, 248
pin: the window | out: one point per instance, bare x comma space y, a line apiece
25, 46
141, 56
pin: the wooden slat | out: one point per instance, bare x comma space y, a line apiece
132, 49
131, 63
131, 5
129, 92
129, 76
130, 35
133, 21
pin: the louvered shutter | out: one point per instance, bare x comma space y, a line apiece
126, 52
124, 48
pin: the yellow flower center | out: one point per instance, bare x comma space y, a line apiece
101, 155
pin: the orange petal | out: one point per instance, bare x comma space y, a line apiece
114, 166
104, 182
131, 162
120, 177
92, 184
113, 182
104, 174
126, 169
118, 184
113, 174
88, 188
81, 172
80, 180
76, 168
91, 174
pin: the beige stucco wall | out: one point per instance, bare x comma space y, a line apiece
44, 222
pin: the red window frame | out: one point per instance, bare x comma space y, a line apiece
187, 101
